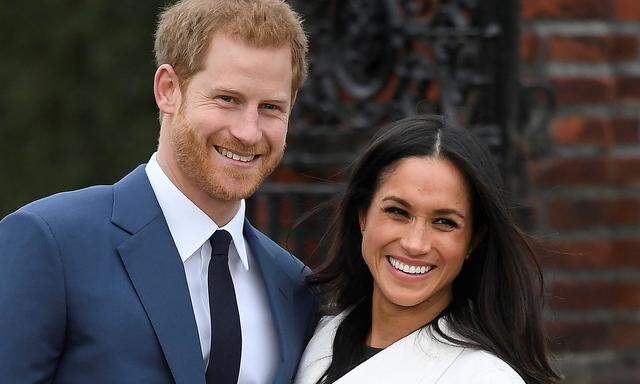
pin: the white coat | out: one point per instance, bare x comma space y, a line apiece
421, 357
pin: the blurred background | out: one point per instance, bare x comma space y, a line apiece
553, 86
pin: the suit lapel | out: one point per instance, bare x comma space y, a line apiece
279, 293
157, 273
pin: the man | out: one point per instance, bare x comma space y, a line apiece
160, 278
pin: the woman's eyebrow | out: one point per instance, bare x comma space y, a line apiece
398, 200
449, 211
441, 211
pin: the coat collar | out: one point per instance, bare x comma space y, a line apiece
152, 262
421, 357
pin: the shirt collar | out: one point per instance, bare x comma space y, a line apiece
190, 227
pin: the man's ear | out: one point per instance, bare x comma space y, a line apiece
166, 89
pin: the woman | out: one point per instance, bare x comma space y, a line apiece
431, 279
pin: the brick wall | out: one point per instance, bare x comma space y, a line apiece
587, 192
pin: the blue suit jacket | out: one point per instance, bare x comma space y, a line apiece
92, 290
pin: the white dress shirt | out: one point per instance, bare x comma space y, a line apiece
191, 229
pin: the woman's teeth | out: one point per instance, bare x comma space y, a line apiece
234, 156
410, 269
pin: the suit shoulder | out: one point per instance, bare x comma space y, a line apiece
73, 206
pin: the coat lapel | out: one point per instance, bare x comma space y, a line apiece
417, 358
157, 273
278, 287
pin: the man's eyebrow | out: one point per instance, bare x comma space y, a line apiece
276, 99
225, 90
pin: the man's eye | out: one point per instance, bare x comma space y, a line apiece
272, 107
395, 211
226, 99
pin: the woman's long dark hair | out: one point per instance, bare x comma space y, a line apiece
498, 295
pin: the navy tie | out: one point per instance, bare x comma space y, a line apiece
226, 339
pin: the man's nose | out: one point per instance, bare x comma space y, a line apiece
247, 129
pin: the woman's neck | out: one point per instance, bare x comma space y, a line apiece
391, 322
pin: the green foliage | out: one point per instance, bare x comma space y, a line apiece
76, 94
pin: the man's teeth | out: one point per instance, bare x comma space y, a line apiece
410, 269
235, 156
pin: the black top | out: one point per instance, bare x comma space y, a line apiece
367, 353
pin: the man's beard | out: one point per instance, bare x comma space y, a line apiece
193, 156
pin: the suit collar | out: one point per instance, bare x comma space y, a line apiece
190, 227
134, 203
156, 271
278, 287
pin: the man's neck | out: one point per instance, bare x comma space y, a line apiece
220, 211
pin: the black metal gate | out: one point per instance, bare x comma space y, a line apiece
373, 61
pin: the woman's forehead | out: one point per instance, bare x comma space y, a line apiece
425, 180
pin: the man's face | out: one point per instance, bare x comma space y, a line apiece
230, 131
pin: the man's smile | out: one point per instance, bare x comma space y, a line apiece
233, 155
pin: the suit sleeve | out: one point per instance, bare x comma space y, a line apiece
32, 300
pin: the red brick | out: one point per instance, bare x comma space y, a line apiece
530, 47
285, 211
625, 131
626, 335
566, 9
593, 48
587, 213
629, 247
628, 88
288, 175
595, 295
570, 130
570, 336
624, 211
592, 254
589, 336
581, 214
571, 172
579, 130
627, 10
584, 90
575, 254
593, 130
261, 211
626, 171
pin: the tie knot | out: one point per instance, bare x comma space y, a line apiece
220, 243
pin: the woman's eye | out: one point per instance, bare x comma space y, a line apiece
448, 223
395, 211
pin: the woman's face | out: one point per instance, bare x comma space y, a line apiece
417, 232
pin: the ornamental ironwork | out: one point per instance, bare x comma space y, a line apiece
374, 61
